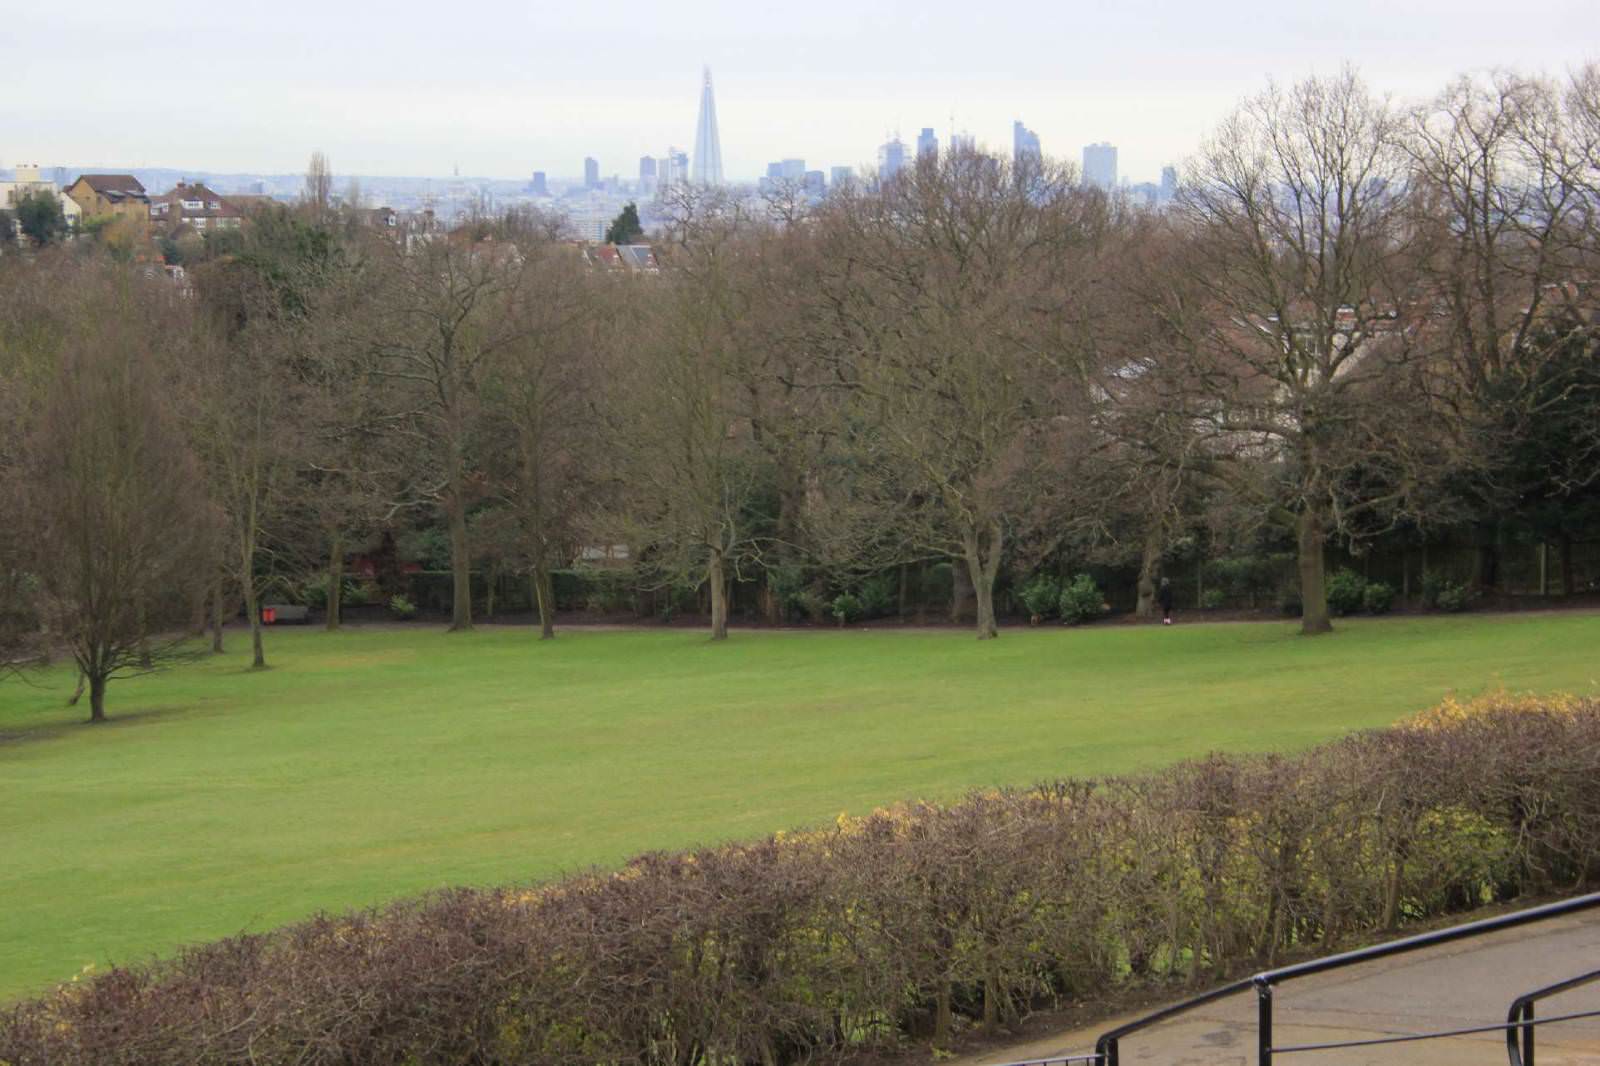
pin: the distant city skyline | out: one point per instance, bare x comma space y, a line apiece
829, 85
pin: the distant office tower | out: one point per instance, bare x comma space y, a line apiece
707, 145
891, 158
927, 144
841, 176
672, 170
963, 143
1169, 183
591, 172
792, 169
538, 186
1024, 142
1100, 165
814, 182
647, 168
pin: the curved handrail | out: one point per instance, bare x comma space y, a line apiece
1106, 1047
1520, 1016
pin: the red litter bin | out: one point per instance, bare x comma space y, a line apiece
269, 615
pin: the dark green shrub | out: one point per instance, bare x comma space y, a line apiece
1433, 583
879, 596
1081, 601
402, 608
846, 608
1452, 597
1042, 596
1346, 590
359, 595
1213, 599
1378, 597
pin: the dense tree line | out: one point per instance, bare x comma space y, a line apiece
1359, 323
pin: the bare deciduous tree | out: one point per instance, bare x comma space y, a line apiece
435, 321
112, 515
1293, 308
957, 295
690, 475
543, 403
318, 193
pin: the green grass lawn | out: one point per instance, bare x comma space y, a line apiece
377, 763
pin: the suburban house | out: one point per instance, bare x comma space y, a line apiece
195, 206
27, 181
111, 195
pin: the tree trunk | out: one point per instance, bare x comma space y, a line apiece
544, 596
983, 571
460, 566
1568, 584
216, 617
1313, 588
900, 604
960, 580
1148, 562
491, 578
335, 581
144, 637
197, 624
97, 698
253, 609
77, 693
717, 586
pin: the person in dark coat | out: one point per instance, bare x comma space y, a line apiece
1164, 597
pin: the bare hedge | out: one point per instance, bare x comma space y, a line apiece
888, 930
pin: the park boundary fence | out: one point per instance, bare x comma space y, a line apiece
1518, 1027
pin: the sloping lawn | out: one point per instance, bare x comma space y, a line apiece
381, 762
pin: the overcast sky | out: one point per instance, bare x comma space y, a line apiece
503, 88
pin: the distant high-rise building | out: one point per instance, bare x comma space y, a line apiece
538, 186
707, 144
963, 143
927, 144
841, 176
1100, 165
674, 169
891, 158
591, 172
1024, 142
1169, 183
814, 182
647, 168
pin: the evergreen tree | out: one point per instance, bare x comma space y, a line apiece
625, 228
40, 217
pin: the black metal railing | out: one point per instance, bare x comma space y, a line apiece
1518, 1026
1520, 1021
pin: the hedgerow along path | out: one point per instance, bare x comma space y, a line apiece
373, 764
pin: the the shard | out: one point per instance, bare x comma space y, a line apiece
707, 145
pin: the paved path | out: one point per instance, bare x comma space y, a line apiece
1449, 987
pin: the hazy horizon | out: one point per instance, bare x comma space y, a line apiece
518, 88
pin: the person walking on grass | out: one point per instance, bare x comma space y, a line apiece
1164, 597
